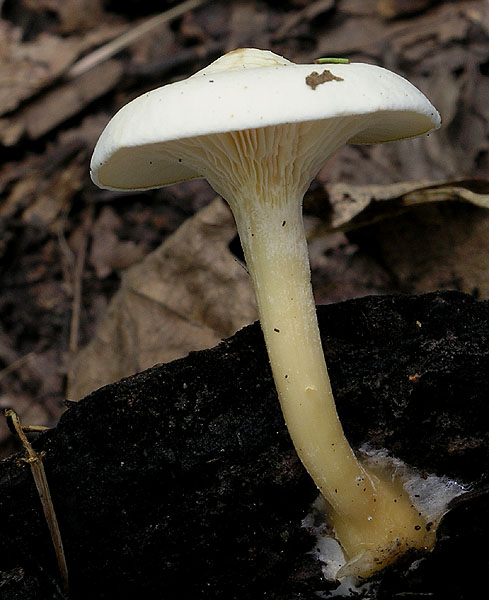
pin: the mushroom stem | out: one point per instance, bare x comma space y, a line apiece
372, 516
259, 128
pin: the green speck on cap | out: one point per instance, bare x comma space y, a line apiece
332, 61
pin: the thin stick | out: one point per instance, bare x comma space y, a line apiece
34, 428
35, 462
129, 37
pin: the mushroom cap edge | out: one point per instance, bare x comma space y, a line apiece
216, 102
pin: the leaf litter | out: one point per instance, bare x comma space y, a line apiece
86, 287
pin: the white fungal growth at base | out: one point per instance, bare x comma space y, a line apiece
430, 494
328, 552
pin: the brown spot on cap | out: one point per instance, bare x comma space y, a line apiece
315, 78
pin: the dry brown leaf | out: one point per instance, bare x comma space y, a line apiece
442, 52
21, 195
28, 67
108, 252
187, 295
433, 247
53, 195
41, 186
25, 67
64, 101
355, 206
349, 202
405, 237
47, 180
42, 195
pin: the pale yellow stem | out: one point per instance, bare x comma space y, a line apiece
263, 174
372, 516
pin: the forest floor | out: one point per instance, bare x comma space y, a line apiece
408, 217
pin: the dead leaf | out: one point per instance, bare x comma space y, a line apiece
50, 178
340, 270
64, 101
25, 67
108, 253
350, 203
28, 67
20, 196
187, 295
357, 206
53, 195
405, 237
432, 247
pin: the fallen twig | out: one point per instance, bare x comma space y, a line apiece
35, 462
129, 37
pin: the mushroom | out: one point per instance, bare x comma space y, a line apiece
259, 127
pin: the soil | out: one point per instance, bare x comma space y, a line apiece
182, 481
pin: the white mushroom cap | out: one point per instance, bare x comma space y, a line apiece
250, 89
